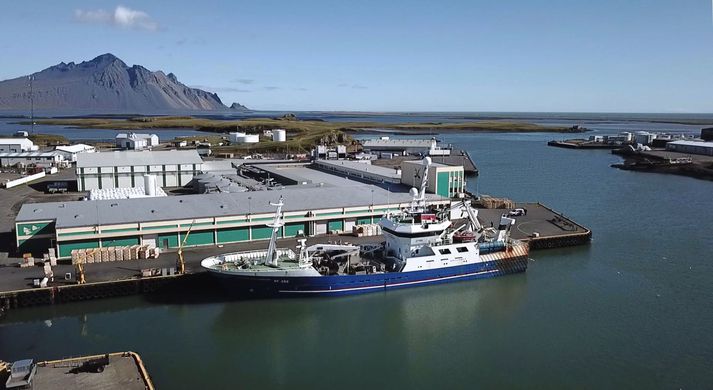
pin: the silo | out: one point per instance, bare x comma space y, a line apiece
248, 139
279, 135
150, 185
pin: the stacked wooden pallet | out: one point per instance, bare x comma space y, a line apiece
114, 253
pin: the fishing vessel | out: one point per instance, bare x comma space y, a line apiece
421, 246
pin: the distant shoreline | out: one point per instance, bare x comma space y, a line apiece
295, 125
693, 119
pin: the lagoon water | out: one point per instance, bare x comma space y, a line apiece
632, 310
8, 127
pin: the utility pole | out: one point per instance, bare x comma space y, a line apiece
32, 106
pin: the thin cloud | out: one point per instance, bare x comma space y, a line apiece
242, 81
122, 17
300, 89
272, 88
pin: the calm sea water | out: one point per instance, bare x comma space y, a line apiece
8, 127
632, 310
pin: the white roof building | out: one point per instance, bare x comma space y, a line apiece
70, 151
44, 159
125, 169
136, 141
17, 145
692, 147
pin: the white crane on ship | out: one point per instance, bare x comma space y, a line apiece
277, 223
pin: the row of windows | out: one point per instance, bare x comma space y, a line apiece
460, 249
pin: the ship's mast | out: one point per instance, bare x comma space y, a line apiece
419, 197
277, 223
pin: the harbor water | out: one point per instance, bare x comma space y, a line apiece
632, 310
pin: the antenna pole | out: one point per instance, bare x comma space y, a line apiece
32, 106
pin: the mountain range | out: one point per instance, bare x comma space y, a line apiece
107, 84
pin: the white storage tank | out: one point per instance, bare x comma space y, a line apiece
279, 135
233, 137
247, 139
150, 185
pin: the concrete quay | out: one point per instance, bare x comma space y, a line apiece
541, 227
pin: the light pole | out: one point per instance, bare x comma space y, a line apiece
32, 106
250, 198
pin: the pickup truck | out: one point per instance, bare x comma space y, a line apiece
57, 187
517, 212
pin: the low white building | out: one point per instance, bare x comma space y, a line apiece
70, 151
426, 147
126, 169
17, 145
242, 138
40, 159
134, 141
691, 147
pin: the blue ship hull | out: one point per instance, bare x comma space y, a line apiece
358, 284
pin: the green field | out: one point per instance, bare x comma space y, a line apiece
302, 134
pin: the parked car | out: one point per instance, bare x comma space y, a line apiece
517, 212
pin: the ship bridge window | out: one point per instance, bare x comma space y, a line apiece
445, 251
462, 249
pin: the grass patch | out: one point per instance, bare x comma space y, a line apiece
48, 139
302, 134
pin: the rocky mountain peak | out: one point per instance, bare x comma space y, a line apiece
106, 84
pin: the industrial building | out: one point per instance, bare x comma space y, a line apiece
43, 159
242, 138
212, 218
324, 152
362, 171
70, 152
133, 141
173, 168
691, 147
444, 180
17, 145
386, 147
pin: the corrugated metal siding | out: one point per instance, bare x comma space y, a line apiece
337, 225
65, 248
261, 233
292, 229
199, 238
233, 235
128, 241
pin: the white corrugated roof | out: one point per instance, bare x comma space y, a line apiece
19, 141
108, 212
703, 144
422, 143
27, 154
77, 148
129, 158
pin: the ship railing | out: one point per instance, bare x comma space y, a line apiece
257, 255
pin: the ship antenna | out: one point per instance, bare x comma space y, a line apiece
424, 182
32, 106
277, 223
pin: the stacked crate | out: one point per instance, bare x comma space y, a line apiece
112, 253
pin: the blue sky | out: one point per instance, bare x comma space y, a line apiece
499, 55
